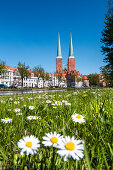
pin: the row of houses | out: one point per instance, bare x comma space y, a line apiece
12, 77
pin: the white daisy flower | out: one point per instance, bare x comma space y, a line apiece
19, 114
64, 101
58, 103
31, 117
69, 147
11, 99
6, 120
16, 102
17, 110
2, 101
67, 104
78, 118
30, 98
31, 107
48, 101
52, 139
28, 144
37, 117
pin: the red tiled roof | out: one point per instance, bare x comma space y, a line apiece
11, 68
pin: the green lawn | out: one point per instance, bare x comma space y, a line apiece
96, 105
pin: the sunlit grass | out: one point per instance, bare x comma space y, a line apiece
96, 132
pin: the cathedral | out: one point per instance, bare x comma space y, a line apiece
73, 77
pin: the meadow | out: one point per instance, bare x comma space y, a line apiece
39, 114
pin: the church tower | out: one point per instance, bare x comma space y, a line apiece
71, 59
59, 57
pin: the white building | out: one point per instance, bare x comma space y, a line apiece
11, 76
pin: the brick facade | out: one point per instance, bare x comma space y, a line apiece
71, 64
59, 65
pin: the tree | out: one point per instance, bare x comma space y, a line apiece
107, 48
106, 71
59, 76
23, 70
2, 67
93, 79
39, 72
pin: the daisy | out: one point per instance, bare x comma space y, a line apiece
78, 118
37, 117
10, 98
28, 144
67, 104
16, 102
6, 120
58, 103
52, 139
19, 114
48, 101
31, 117
31, 107
64, 101
16, 110
30, 98
69, 147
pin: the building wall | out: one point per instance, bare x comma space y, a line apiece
71, 64
59, 65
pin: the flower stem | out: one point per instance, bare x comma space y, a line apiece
52, 160
29, 162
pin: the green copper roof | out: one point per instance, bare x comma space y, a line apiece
59, 48
71, 48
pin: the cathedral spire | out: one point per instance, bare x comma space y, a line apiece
71, 59
59, 57
71, 48
59, 48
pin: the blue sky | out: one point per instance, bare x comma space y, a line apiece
29, 32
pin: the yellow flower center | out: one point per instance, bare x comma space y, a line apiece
54, 140
84, 95
29, 144
6, 118
70, 146
78, 117
30, 117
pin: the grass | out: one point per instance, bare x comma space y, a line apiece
96, 132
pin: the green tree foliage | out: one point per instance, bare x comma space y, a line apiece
107, 48
2, 67
47, 76
39, 71
106, 71
23, 70
93, 79
59, 76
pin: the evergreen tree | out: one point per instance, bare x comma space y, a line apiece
107, 48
